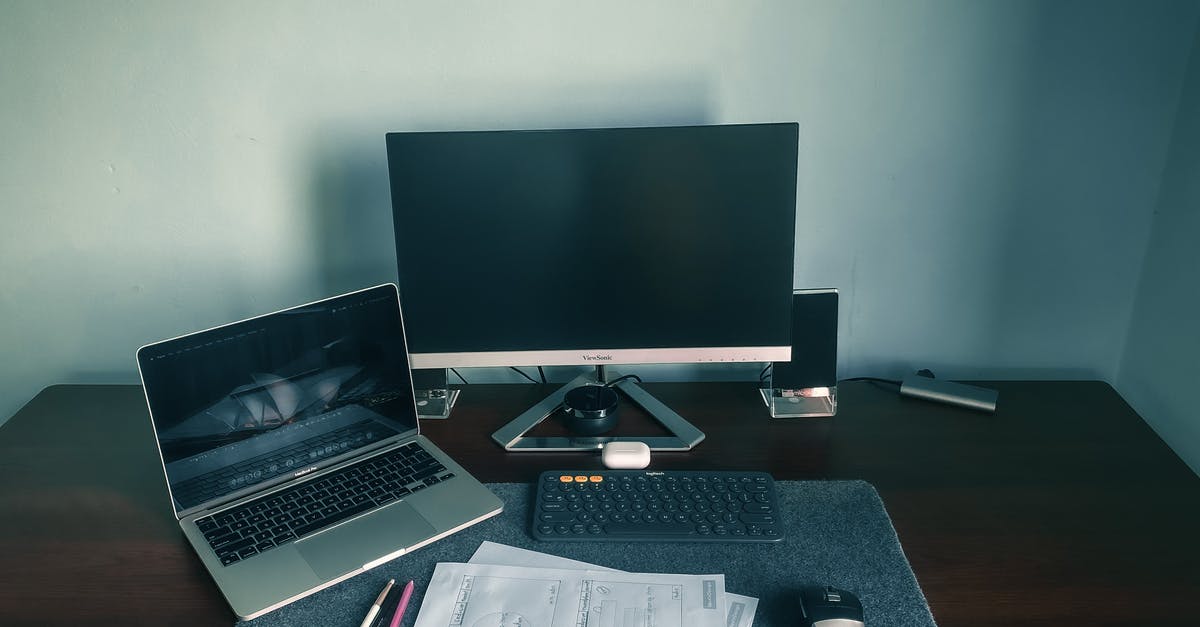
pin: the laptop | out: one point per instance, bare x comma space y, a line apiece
292, 452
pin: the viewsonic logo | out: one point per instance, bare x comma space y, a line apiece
598, 357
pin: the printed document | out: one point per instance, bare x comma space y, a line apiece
740, 612
489, 595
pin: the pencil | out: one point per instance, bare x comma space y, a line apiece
408, 588
379, 601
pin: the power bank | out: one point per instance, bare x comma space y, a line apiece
949, 392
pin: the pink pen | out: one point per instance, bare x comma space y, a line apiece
408, 588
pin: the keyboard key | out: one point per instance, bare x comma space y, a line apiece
238, 545
224, 539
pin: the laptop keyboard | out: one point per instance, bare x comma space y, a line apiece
260, 525
263, 467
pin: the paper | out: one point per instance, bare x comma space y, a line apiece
490, 595
740, 612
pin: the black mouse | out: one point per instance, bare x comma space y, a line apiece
826, 606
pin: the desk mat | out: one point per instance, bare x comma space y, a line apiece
837, 533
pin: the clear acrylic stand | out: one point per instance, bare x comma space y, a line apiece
436, 404
802, 403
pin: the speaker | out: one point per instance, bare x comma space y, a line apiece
429, 378
806, 386
814, 343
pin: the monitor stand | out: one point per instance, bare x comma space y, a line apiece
512, 436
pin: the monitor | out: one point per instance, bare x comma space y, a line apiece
595, 246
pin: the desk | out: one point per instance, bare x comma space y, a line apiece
1062, 508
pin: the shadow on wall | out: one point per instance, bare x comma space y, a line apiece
351, 210
351, 215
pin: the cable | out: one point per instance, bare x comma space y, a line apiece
520, 372
874, 379
542, 373
620, 379
459, 376
762, 376
877, 382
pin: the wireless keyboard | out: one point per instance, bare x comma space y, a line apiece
656, 506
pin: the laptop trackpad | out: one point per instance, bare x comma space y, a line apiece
346, 548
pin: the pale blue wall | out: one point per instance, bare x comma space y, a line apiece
1160, 371
977, 177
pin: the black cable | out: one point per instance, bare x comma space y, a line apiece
874, 379
877, 382
762, 376
542, 373
620, 379
518, 371
459, 376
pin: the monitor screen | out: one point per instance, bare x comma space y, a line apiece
594, 246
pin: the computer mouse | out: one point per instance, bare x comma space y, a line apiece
826, 606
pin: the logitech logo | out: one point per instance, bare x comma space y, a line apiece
598, 357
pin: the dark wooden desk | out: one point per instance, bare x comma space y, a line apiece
1063, 508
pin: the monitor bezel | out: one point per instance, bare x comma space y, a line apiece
600, 356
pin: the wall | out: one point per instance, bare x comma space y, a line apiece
1159, 370
976, 177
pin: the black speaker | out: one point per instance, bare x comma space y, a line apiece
429, 379
814, 342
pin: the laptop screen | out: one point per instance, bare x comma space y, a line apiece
274, 397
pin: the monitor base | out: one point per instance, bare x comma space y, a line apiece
512, 436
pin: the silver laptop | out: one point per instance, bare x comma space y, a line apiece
291, 448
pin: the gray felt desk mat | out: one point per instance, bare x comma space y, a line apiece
837, 533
